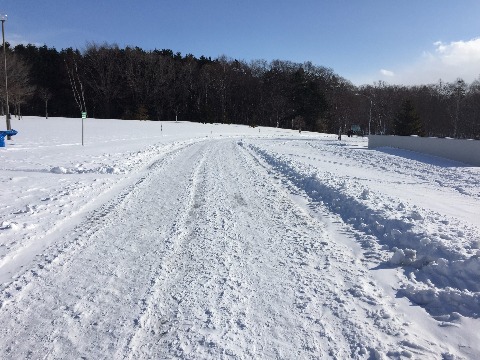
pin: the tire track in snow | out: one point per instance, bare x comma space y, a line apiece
355, 289
21, 252
256, 277
406, 234
203, 283
207, 257
91, 289
154, 321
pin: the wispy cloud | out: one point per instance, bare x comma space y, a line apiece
16, 39
447, 61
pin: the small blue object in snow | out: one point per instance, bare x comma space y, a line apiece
4, 133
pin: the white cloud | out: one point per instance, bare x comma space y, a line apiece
447, 61
387, 73
458, 53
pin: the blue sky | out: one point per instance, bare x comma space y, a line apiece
397, 41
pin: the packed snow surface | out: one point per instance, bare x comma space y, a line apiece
159, 240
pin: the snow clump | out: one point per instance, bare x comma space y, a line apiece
403, 256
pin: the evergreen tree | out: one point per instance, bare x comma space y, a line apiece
407, 122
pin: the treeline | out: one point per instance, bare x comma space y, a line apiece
131, 83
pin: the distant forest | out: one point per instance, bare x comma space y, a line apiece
131, 83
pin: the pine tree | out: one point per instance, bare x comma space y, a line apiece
407, 122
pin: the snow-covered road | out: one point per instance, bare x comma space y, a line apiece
232, 248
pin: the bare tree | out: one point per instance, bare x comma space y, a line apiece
473, 111
459, 91
75, 81
19, 87
45, 95
102, 65
298, 123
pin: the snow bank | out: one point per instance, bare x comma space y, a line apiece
444, 262
80, 169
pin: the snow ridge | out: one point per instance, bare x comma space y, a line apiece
442, 277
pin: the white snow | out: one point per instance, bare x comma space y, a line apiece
184, 240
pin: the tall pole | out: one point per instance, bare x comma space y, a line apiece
370, 117
3, 18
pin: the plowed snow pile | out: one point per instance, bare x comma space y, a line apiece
206, 241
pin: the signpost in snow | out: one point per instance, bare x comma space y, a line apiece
84, 116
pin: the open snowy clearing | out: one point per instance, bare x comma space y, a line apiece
183, 240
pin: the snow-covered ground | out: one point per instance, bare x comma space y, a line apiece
182, 240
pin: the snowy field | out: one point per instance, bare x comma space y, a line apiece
205, 241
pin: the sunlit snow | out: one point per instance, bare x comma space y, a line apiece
183, 240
